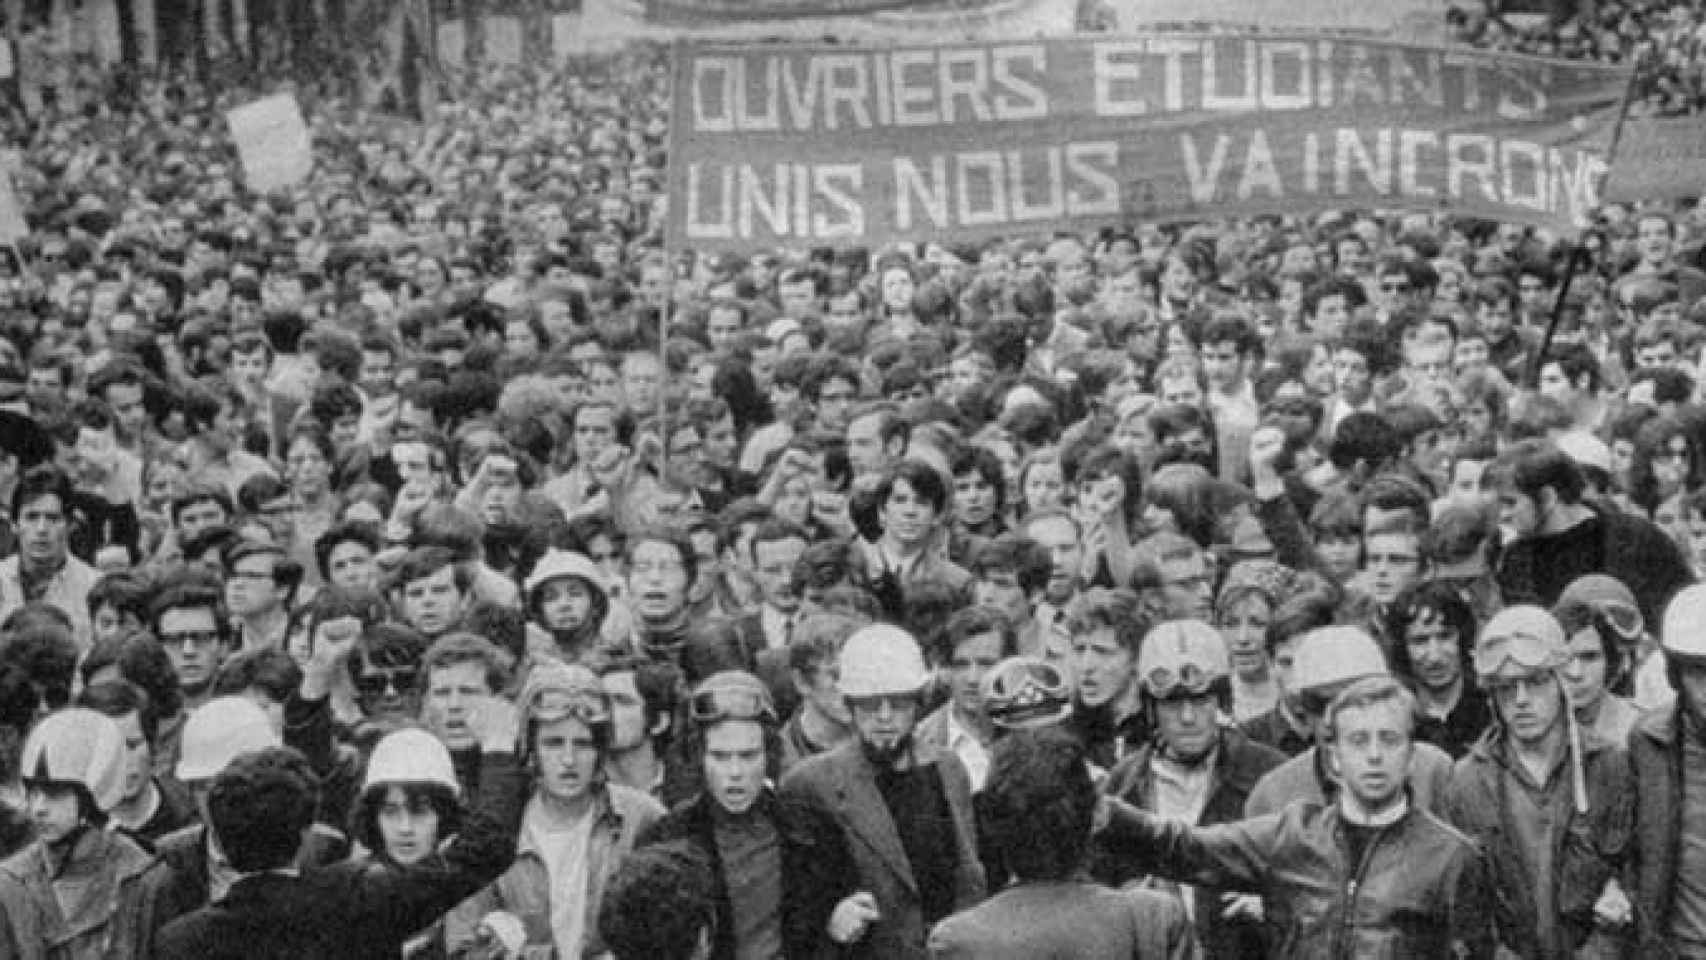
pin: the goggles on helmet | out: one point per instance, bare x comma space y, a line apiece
1524, 649
1166, 683
1025, 690
713, 706
1623, 619
555, 703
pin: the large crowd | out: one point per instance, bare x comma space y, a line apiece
423, 561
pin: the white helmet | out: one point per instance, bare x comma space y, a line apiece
1684, 631
1182, 656
1327, 656
882, 659
411, 756
82, 747
556, 564
220, 731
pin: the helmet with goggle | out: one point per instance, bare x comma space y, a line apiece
1603, 602
1526, 635
1183, 658
557, 691
1026, 692
731, 695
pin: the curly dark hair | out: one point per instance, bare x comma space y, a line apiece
48, 657
1441, 600
259, 805
1039, 803
659, 904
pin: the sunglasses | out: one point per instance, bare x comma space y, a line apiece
377, 683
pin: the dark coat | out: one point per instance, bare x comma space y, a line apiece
1420, 891
1586, 851
355, 909
843, 785
1239, 766
182, 885
1655, 755
817, 869
1635, 552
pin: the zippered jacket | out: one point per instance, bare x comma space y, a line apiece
1420, 891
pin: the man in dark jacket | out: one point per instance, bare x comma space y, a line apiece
1559, 537
1548, 802
1365, 874
259, 807
781, 868
1667, 750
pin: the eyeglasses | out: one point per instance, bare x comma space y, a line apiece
1524, 649
1191, 680
711, 706
196, 639
376, 683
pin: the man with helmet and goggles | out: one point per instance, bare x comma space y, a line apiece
1547, 800
77, 891
1364, 873
1195, 769
1605, 634
906, 814
1667, 751
781, 868
575, 830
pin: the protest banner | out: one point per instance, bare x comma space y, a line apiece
272, 141
747, 10
1408, 21
1659, 158
793, 146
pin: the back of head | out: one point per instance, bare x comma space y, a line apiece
1039, 802
259, 806
660, 904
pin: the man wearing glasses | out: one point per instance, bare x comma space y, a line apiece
781, 867
1546, 800
907, 818
189, 621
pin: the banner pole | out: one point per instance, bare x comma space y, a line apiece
1579, 252
675, 54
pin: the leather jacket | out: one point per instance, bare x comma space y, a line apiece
1420, 891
